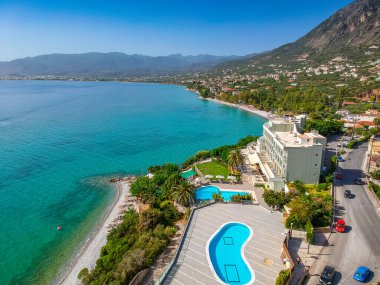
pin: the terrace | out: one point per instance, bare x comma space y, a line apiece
262, 252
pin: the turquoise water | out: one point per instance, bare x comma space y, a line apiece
59, 142
225, 254
187, 174
205, 193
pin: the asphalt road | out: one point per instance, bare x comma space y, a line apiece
360, 245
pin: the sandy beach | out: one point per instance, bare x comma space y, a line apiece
247, 108
90, 252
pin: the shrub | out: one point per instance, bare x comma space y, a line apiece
322, 186
309, 233
217, 197
169, 213
333, 161
314, 208
375, 188
300, 186
375, 174
149, 219
283, 277
242, 197
244, 141
276, 199
351, 144
84, 276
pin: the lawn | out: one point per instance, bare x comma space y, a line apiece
213, 168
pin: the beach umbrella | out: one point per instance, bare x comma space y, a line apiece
208, 176
219, 177
231, 177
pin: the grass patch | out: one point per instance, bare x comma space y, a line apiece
375, 189
213, 168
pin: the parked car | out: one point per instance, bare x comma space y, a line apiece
359, 181
347, 194
340, 226
327, 275
339, 176
362, 273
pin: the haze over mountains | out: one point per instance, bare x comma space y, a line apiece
108, 64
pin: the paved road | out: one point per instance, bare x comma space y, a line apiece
360, 245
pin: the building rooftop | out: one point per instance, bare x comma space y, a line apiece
289, 139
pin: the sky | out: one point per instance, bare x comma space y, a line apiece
219, 27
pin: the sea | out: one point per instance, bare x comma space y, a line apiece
60, 141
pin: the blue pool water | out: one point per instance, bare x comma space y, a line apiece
225, 254
205, 193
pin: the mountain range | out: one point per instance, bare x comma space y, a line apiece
347, 32
108, 64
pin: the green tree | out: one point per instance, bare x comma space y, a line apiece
300, 186
144, 188
235, 158
169, 184
276, 199
130, 265
324, 127
183, 193
309, 233
149, 219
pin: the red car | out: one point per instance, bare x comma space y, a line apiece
339, 176
340, 226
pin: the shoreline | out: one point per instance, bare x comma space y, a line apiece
90, 251
248, 108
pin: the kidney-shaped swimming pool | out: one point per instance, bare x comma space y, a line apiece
225, 254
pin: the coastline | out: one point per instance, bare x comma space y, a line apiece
253, 110
90, 252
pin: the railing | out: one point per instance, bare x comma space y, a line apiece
164, 275
285, 253
140, 276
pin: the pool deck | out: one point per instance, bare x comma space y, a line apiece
262, 251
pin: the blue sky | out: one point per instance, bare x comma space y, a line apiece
34, 27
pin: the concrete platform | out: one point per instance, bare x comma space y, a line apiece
262, 251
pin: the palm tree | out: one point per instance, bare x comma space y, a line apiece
183, 193
235, 158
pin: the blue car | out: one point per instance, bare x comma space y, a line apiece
362, 273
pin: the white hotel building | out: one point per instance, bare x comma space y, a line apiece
285, 154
